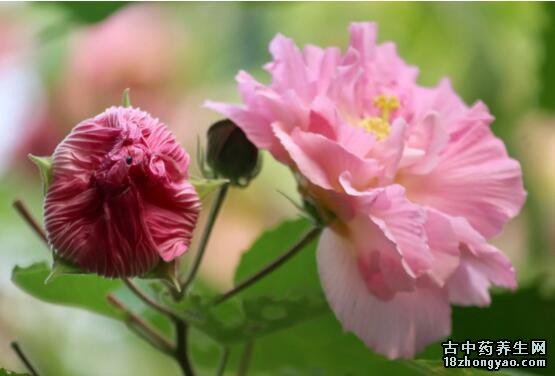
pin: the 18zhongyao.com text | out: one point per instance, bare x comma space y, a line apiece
495, 355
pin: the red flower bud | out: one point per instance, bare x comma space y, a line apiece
119, 201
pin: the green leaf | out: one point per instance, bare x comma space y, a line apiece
84, 291
205, 187
241, 321
523, 315
5, 372
44, 165
91, 12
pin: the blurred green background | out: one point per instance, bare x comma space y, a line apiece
63, 62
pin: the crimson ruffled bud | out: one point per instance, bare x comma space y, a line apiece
119, 202
230, 154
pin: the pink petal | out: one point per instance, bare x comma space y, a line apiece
444, 246
363, 39
322, 161
474, 179
171, 215
431, 137
481, 266
396, 328
288, 68
403, 223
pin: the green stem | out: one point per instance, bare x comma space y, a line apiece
181, 354
32, 370
149, 301
223, 361
21, 208
245, 359
216, 206
303, 241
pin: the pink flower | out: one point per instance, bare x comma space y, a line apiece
416, 180
119, 202
138, 46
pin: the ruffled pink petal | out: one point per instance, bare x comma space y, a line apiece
430, 137
363, 39
322, 161
288, 68
388, 233
444, 246
321, 65
474, 179
481, 266
403, 223
397, 328
390, 151
107, 237
171, 215
379, 260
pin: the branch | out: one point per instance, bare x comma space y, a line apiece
151, 302
21, 355
305, 240
245, 359
181, 354
216, 206
146, 332
223, 361
28, 217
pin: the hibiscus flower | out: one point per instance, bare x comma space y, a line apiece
416, 181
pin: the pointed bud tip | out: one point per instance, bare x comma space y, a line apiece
125, 100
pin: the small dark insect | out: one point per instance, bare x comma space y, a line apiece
129, 160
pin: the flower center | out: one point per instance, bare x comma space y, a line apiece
380, 125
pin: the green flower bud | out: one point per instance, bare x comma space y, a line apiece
230, 154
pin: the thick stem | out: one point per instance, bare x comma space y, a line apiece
143, 329
181, 354
305, 240
31, 221
21, 355
223, 361
216, 206
245, 359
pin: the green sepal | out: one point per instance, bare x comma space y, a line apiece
125, 100
61, 267
166, 271
204, 187
44, 164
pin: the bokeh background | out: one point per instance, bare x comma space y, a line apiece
63, 62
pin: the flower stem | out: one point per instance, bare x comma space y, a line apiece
216, 206
149, 301
31, 221
21, 355
181, 354
143, 329
245, 359
305, 240
223, 361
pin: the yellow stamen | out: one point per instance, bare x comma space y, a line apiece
380, 125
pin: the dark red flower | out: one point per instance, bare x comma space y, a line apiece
119, 202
